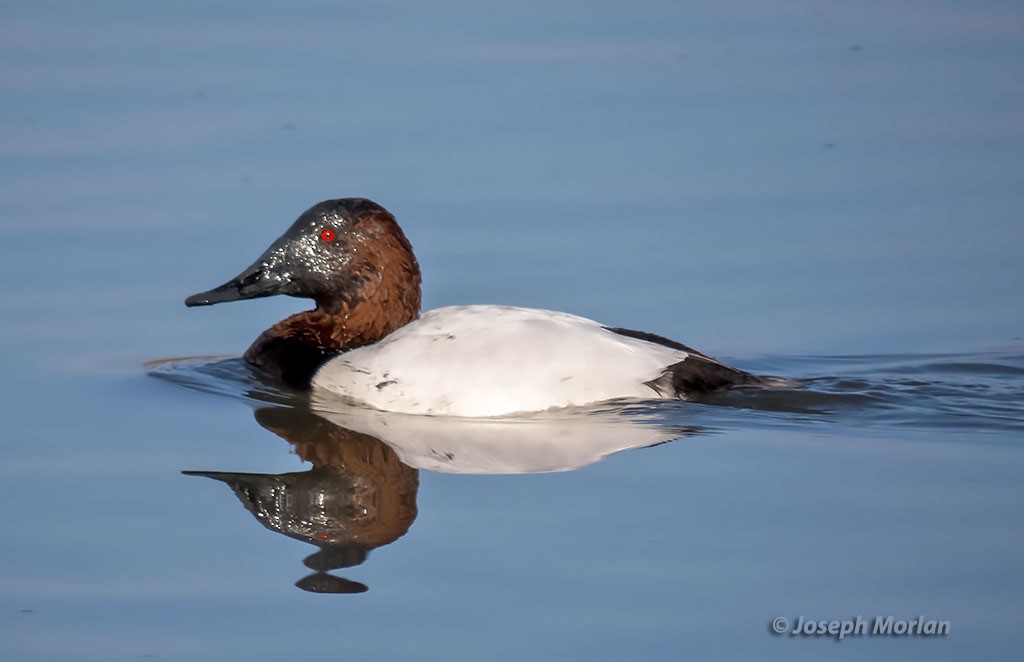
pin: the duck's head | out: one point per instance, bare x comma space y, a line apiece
340, 253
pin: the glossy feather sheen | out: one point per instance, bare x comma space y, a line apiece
496, 360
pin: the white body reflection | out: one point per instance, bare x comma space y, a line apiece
550, 441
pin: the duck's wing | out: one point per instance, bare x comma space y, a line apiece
656, 339
495, 360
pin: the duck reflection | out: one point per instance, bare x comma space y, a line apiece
358, 496
361, 492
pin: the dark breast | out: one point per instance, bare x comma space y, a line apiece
291, 360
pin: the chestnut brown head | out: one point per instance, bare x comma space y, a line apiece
338, 253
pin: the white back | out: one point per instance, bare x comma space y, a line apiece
493, 360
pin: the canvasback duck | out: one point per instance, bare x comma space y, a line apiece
366, 342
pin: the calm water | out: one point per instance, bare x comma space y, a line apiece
822, 191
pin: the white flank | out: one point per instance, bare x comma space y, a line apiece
479, 361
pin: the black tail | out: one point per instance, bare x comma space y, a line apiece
697, 375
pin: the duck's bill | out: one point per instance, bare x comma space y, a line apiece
253, 283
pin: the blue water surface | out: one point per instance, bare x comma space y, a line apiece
825, 191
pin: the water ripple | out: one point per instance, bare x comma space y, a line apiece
982, 391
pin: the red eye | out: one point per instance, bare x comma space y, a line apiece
327, 235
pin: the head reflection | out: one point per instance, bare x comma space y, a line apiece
358, 496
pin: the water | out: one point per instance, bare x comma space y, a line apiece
827, 193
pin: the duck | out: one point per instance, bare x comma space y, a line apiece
366, 342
